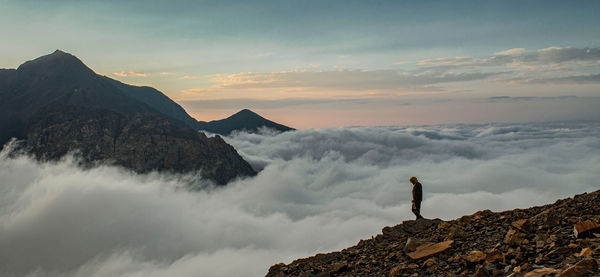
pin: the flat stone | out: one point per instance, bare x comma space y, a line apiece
587, 267
540, 272
431, 249
584, 226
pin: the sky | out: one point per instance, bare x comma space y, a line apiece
317, 64
318, 190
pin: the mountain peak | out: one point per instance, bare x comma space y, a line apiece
246, 112
58, 52
243, 120
57, 62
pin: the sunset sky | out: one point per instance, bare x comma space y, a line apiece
313, 64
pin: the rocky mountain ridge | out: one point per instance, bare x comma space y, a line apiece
56, 105
559, 239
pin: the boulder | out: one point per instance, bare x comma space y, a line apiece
582, 228
419, 225
431, 249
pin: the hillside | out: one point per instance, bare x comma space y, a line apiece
560, 239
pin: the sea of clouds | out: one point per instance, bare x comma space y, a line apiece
317, 191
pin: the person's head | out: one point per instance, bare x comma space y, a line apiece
413, 180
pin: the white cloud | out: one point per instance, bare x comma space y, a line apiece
131, 73
513, 51
320, 190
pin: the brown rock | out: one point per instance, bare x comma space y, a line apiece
585, 252
585, 226
548, 218
431, 249
540, 272
552, 220
481, 272
455, 232
396, 271
514, 237
522, 225
339, 267
474, 256
494, 255
588, 267
430, 262
419, 225
411, 245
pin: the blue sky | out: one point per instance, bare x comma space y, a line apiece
234, 54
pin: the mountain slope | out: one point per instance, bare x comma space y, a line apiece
62, 78
560, 239
244, 120
56, 105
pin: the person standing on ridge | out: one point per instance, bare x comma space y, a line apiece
417, 193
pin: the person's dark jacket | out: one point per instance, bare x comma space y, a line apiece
417, 192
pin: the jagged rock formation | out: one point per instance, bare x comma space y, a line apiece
560, 239
244, 120
141, 142
55, 105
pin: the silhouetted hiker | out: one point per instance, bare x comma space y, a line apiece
417, 193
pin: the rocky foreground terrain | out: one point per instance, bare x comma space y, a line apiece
560, 239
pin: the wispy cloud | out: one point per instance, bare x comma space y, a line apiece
131, 73
574, 79
516, 66
352, 80
552, 65
519, 57
190, 77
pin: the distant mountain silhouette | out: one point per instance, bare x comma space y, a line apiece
62, 78
244, 120
56, 104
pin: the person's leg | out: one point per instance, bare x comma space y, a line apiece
417, 209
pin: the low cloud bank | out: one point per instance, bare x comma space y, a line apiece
318, 191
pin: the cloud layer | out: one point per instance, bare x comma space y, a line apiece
551, 65
341, 184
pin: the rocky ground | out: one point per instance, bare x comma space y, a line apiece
560, 239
